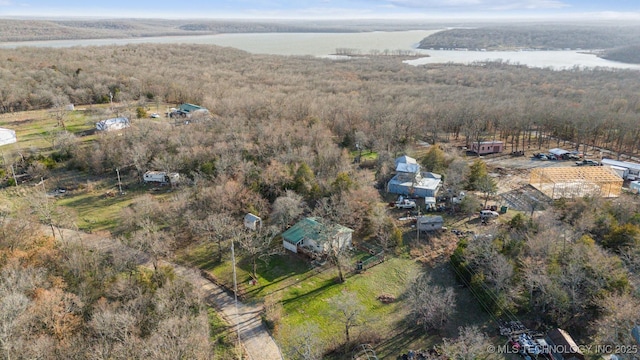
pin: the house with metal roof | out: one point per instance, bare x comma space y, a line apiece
311, 235
190, 108
424, 184
407, 164
410, 181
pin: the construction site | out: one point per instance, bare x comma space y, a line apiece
572, 182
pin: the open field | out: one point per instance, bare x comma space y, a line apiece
303, 292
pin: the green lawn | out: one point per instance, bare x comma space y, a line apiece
303, 292
365, 155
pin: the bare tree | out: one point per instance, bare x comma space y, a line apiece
151, 240
218, 227
306, 344
48, 213
348, 310
287, 209
487, 186
619, 315
431, 305
470, 344
258, 245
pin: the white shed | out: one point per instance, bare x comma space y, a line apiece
252, 222
634, 186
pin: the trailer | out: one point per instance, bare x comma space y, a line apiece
632, 169
161, 177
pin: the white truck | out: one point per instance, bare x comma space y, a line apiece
405, 204
161, 177
458, 199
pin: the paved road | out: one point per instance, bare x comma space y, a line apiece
256, 340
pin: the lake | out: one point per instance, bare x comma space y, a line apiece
325, 45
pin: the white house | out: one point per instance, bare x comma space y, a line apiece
310, 235
410, 181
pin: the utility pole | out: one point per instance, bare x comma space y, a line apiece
119, 183
418, 225
15, 180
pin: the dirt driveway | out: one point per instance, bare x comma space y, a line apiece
512, 173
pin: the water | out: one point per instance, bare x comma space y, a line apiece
325, 45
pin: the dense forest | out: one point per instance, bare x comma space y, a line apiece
537, 37
385, 101
64, 300
276, 143
625, 54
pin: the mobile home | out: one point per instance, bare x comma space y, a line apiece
632, 169
487, 147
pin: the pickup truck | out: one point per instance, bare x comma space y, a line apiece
587, 162
405, 204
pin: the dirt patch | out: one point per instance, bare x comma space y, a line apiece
436, 248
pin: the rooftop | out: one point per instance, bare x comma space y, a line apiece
311, 228
425, 180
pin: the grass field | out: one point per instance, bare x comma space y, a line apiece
302, 295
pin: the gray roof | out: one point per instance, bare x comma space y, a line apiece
431, 219
251, 218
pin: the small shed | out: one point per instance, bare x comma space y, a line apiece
634, 186
430, 223
252, 222
7, 136
487, 147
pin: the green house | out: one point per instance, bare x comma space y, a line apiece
311, 235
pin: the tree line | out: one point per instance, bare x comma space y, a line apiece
534, 36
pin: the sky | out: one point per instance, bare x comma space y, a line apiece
325, 9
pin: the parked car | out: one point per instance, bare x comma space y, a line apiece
155, 115
587, 162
